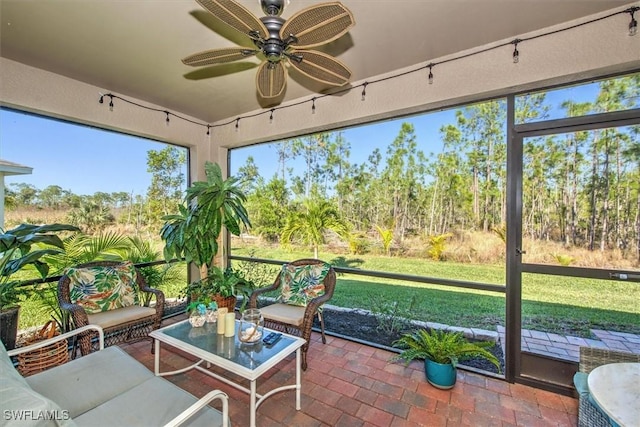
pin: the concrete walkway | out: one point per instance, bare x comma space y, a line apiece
568, 347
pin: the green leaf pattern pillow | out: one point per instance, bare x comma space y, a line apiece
100, 288
303, 283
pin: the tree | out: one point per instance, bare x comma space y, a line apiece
25, 194
167, 181
310, 225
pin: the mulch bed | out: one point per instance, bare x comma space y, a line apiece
365, 328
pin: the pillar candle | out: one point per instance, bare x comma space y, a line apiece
229, 324
222, 312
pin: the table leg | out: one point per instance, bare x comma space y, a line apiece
298, 385
156, 357
252, 404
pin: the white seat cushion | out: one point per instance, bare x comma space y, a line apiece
87, 382
110, 318
284, 313
152, 403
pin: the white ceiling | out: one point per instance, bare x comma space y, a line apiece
134, 47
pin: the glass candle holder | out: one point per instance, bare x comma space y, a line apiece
251, 326
197, 319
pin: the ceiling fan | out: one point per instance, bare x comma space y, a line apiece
278, 42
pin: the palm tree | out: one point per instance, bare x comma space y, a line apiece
310, 225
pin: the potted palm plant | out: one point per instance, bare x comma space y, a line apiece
441, 351
194, 232
23, 246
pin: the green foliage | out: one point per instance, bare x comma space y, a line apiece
441, 347
258, 273
226, 283
167, 181
358, 244
393, 316
386, 235
91, 216
437, 246
157, 276
310, 225
24, 246
564, 260
193, 233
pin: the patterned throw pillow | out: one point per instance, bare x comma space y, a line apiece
303, 283
100, 288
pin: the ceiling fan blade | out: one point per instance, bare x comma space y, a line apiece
321, 67
236, 15
218, 56
317, 25
271, 79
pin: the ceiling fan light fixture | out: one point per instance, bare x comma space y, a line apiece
278, 39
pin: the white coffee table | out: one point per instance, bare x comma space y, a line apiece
249, 361
616, 389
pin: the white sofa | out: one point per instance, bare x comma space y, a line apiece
105, 388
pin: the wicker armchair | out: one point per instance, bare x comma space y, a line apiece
292, 319
591, 358
119, 325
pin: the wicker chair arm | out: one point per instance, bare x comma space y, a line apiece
41, 344
253, 299
204, 401
78, 314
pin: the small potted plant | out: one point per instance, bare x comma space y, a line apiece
441, 351
22, 246
221, 286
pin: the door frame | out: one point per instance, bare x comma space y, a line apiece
529, 368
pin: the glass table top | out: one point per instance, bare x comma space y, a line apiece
248, 355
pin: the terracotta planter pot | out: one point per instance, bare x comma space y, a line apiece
440, 375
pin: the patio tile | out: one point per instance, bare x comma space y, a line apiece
350, 384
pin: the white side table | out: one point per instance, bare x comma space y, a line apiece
616, 389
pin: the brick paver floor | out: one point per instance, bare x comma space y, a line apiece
351, 384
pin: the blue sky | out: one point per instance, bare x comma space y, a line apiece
85, 160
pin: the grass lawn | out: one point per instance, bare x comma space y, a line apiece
563, 305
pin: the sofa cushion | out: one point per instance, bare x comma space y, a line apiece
102, 288
20, 405
152, 403
90, 381
300, 284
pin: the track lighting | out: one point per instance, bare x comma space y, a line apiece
633, 25
516, 54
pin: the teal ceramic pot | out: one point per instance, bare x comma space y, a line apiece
440, 375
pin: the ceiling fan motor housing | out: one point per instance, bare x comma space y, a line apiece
273, 47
